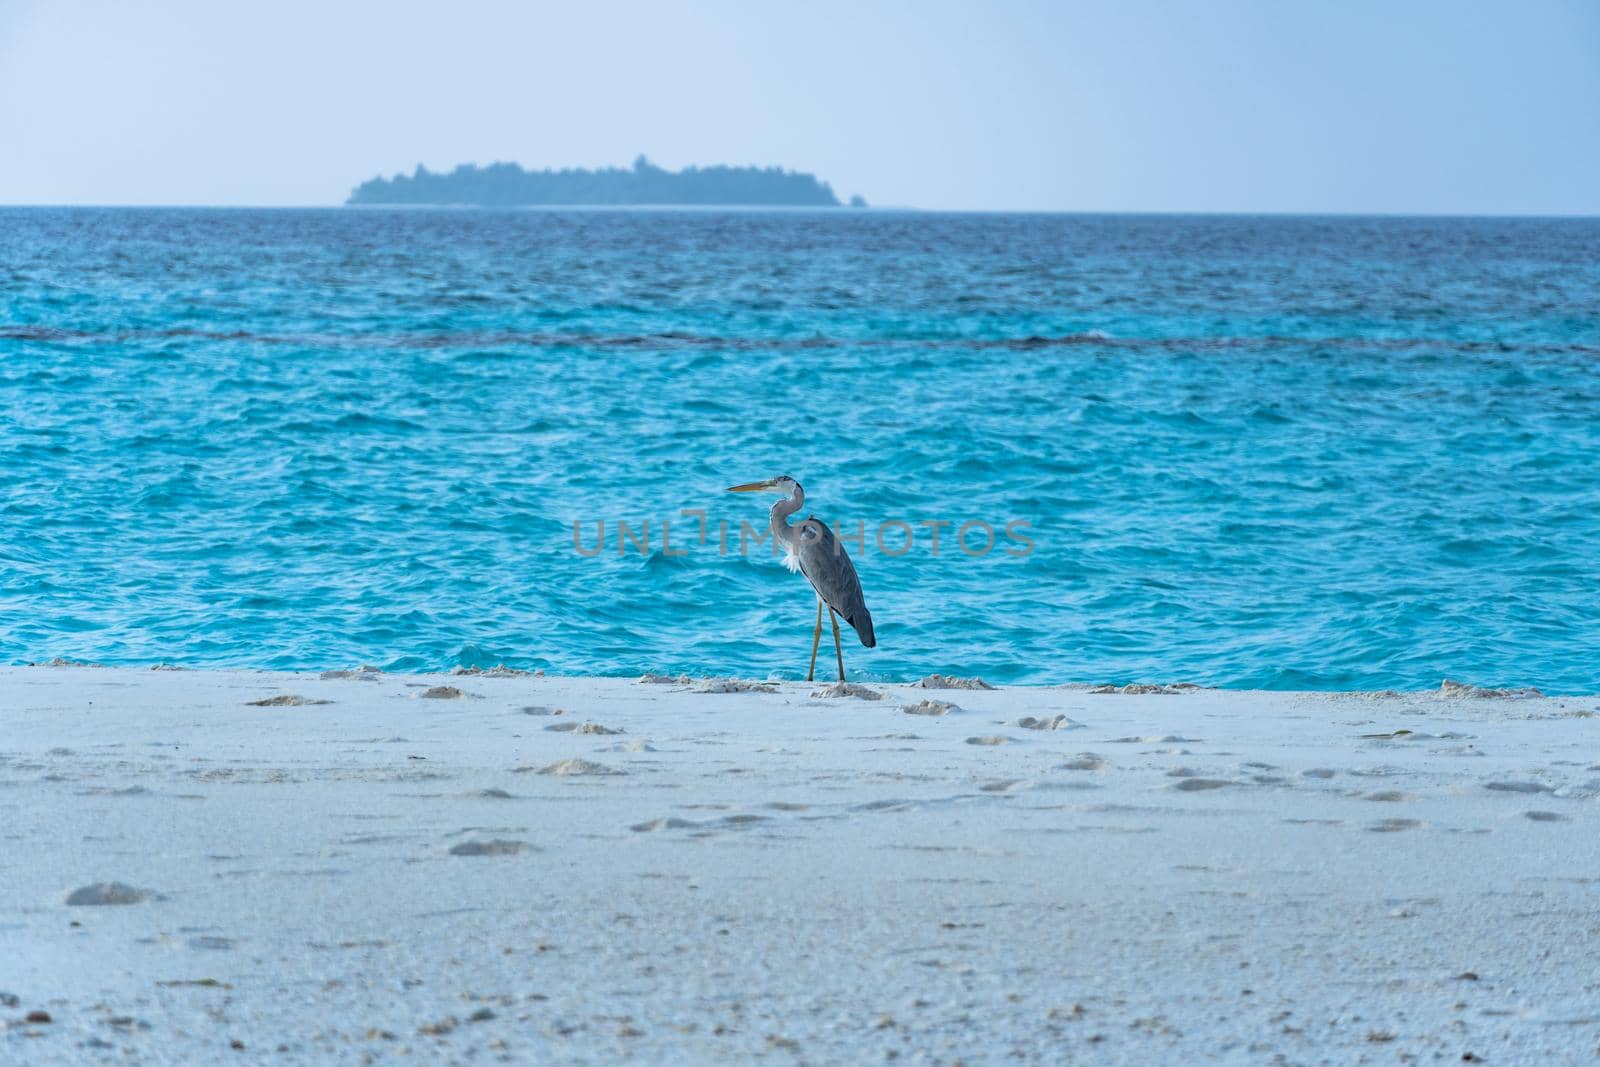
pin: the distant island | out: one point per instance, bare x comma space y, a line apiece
508, 185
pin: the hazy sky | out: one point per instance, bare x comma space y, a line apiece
1277, 105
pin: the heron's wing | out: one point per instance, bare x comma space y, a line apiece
826, 566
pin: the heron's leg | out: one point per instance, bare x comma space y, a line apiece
816, 639
836, 649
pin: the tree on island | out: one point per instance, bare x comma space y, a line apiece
509, 185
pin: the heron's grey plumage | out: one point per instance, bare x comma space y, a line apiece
822, 559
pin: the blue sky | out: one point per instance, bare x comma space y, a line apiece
1349, 106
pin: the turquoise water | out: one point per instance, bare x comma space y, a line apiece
1268, 452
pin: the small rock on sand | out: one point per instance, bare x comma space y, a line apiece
940, 681
102, 893
572, 768
442, 692
929, 707
285, 700
496, 847
845, 689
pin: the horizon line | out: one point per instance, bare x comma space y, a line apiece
842, 209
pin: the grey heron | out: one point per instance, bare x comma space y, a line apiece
812, 549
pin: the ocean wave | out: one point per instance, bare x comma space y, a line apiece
481, 341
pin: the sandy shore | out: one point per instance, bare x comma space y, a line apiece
564, 870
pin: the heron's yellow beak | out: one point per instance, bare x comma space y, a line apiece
755, 487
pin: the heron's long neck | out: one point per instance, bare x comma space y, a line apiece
781, 511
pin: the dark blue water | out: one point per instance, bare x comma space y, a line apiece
1282, 452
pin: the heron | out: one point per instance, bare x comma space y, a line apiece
812, 549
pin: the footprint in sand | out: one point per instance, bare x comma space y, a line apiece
571, 768
1389, 796
1319, 772
442, 692
1200, 785
581, 728
1518, 787
1389, 826
989, 739
109, 893
1545, 816
1085, 761
285, 700
661, 824
1055, 722
930, 707
845, 689
940, 681
495, 847
734, 685
212, 943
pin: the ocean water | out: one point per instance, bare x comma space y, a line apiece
1324, 453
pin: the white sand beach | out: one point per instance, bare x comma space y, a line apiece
563, 870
